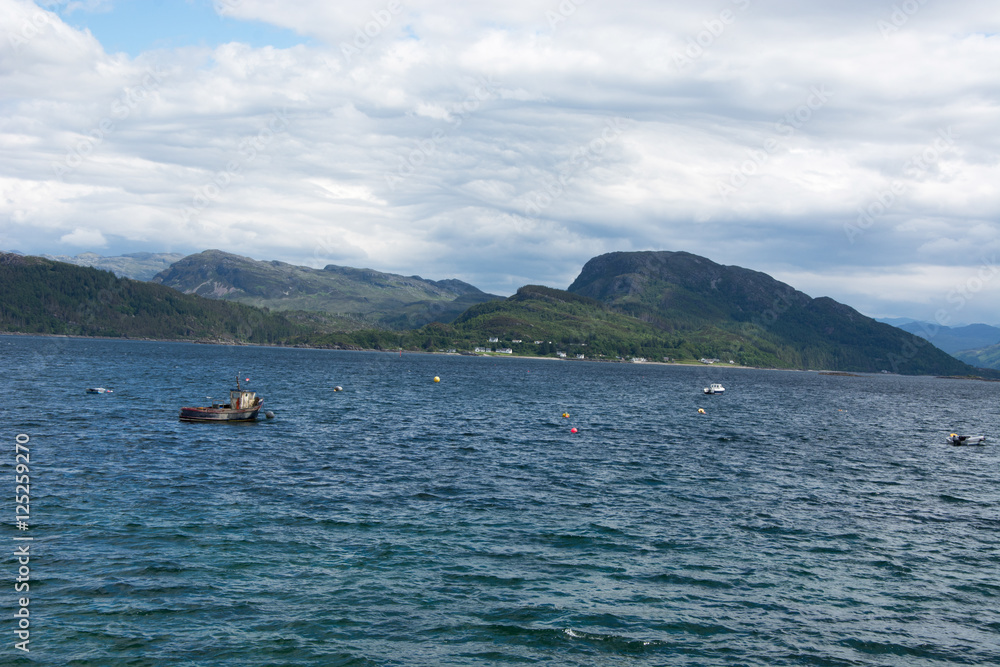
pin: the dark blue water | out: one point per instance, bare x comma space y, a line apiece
802, 520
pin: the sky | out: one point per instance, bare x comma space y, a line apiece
848, 149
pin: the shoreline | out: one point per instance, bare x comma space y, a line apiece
493, 355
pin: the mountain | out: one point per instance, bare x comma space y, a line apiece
955, 339
368, 298
43, 296
986, 357
579, 324
684, 293
543, 321
975, 344
136, 265
647, 304
693, 309
680, 290
896, 321
563, 319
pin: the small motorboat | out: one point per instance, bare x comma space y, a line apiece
714, 388
958, 440
243, 406
99, 390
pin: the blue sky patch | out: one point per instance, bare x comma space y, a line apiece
135, 26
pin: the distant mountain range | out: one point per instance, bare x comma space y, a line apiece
136, 265
976, 344
652, 305
356, 298
896, 321
684, 307
955, 339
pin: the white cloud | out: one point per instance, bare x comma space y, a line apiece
949, 295
423, 137
84, 238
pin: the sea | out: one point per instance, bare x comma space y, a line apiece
799, 518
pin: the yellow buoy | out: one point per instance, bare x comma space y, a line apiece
437, 379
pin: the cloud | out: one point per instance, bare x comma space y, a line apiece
84, 238
929, 293
517, 142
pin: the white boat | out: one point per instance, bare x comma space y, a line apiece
956, 439
714, 388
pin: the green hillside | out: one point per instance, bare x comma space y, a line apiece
47, 297
652, 305
559, 321
695, 297
354, 298
678, 290
987, 357
819, 334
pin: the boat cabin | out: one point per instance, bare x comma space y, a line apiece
242, 400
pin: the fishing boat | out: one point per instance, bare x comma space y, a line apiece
714, 388
243, 406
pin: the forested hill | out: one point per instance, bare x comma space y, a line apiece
651, 305
682, 293
383, 300
43, 296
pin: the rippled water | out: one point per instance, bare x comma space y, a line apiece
802, 520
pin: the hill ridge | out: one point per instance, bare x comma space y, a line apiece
680, 291
383, 299
653, 305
